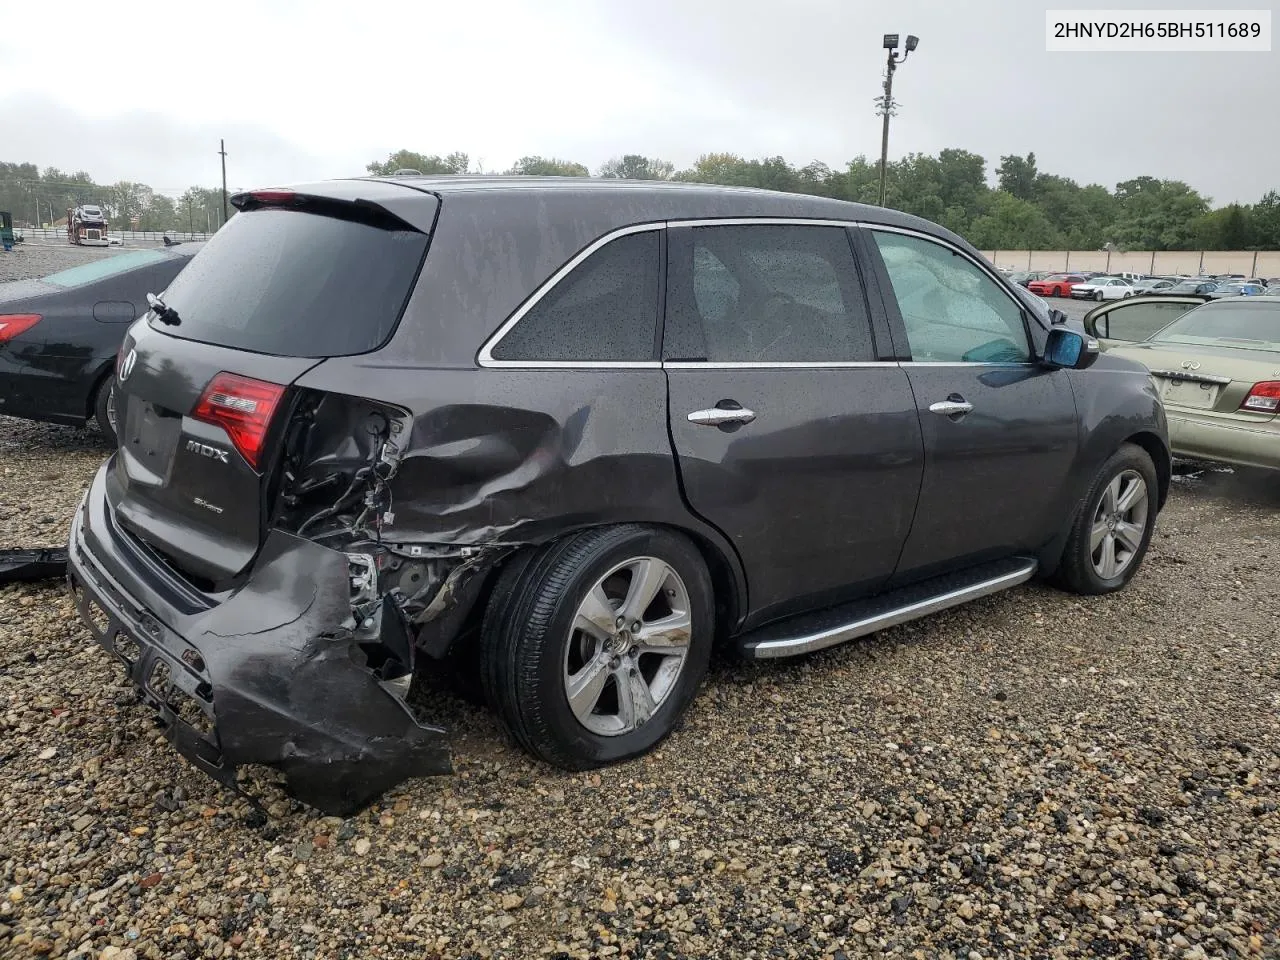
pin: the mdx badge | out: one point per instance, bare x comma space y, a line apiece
213, 453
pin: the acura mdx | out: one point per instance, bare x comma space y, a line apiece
577, 432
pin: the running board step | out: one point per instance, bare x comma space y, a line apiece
826, 628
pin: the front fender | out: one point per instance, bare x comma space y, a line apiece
1116, 403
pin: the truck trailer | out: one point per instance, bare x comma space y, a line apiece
87, 226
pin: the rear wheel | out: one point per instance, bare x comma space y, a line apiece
1111, 534
104, 408
592, 650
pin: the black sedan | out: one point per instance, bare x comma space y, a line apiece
59, 335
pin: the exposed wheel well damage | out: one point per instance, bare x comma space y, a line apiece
440, 641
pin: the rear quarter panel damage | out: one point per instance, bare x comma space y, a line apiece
492, 458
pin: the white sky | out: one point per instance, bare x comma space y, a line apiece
305, 90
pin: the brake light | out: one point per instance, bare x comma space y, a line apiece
273, 196
243, 407
1263, 398
15, 323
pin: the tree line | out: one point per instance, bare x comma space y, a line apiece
1025, 209
1020, 208
36, 196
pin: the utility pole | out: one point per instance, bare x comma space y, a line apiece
191, 226
222, 151
885, 103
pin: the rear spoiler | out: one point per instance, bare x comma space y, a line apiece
389, 205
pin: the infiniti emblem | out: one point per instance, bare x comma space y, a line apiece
1190, 365
126, 368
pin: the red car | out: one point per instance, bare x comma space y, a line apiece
1055, 285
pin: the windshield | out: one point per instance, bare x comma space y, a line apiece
101, 269
1251, 324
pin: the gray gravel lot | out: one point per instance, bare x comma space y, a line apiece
1031, 775
33, 259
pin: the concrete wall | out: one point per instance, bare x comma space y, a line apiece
1263, 263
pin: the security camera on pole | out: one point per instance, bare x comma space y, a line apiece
885, 103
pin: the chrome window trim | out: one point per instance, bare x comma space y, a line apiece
780, 365
991, 272
485, 357
969, 363
763, 222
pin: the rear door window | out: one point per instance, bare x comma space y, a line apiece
295, 283
764, 293
604, 311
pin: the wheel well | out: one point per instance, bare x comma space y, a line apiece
728, 603
1159, 454
92, 398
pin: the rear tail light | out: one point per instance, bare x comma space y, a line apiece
243, 407
13, 324
1263, 398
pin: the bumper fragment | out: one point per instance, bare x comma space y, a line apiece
25, 566
278, 674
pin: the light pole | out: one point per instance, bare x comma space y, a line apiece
222, 152
885, 102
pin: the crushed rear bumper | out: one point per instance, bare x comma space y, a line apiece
275, 674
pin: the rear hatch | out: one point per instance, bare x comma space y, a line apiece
203, 379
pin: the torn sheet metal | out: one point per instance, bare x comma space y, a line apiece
280, 674
26, 566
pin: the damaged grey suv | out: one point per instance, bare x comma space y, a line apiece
578, 433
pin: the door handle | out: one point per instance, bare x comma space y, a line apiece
954, 406
718, 416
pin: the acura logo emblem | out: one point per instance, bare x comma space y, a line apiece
126, 368
1190, 365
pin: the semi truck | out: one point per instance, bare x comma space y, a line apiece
87, 226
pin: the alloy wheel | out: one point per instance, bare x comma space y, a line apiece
627, 646
1119, 523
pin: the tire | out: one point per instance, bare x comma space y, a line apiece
531, 651
1080, 570
103, 409
1097, 295
1057, 291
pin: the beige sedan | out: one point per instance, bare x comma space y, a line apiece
1216, 366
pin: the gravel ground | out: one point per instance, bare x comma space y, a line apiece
34, 259
1030, 775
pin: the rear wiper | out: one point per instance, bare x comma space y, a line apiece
163, 312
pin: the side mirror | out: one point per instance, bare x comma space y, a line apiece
1066, 349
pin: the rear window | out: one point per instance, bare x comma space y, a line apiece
292, 283
1249, 325
106, 267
